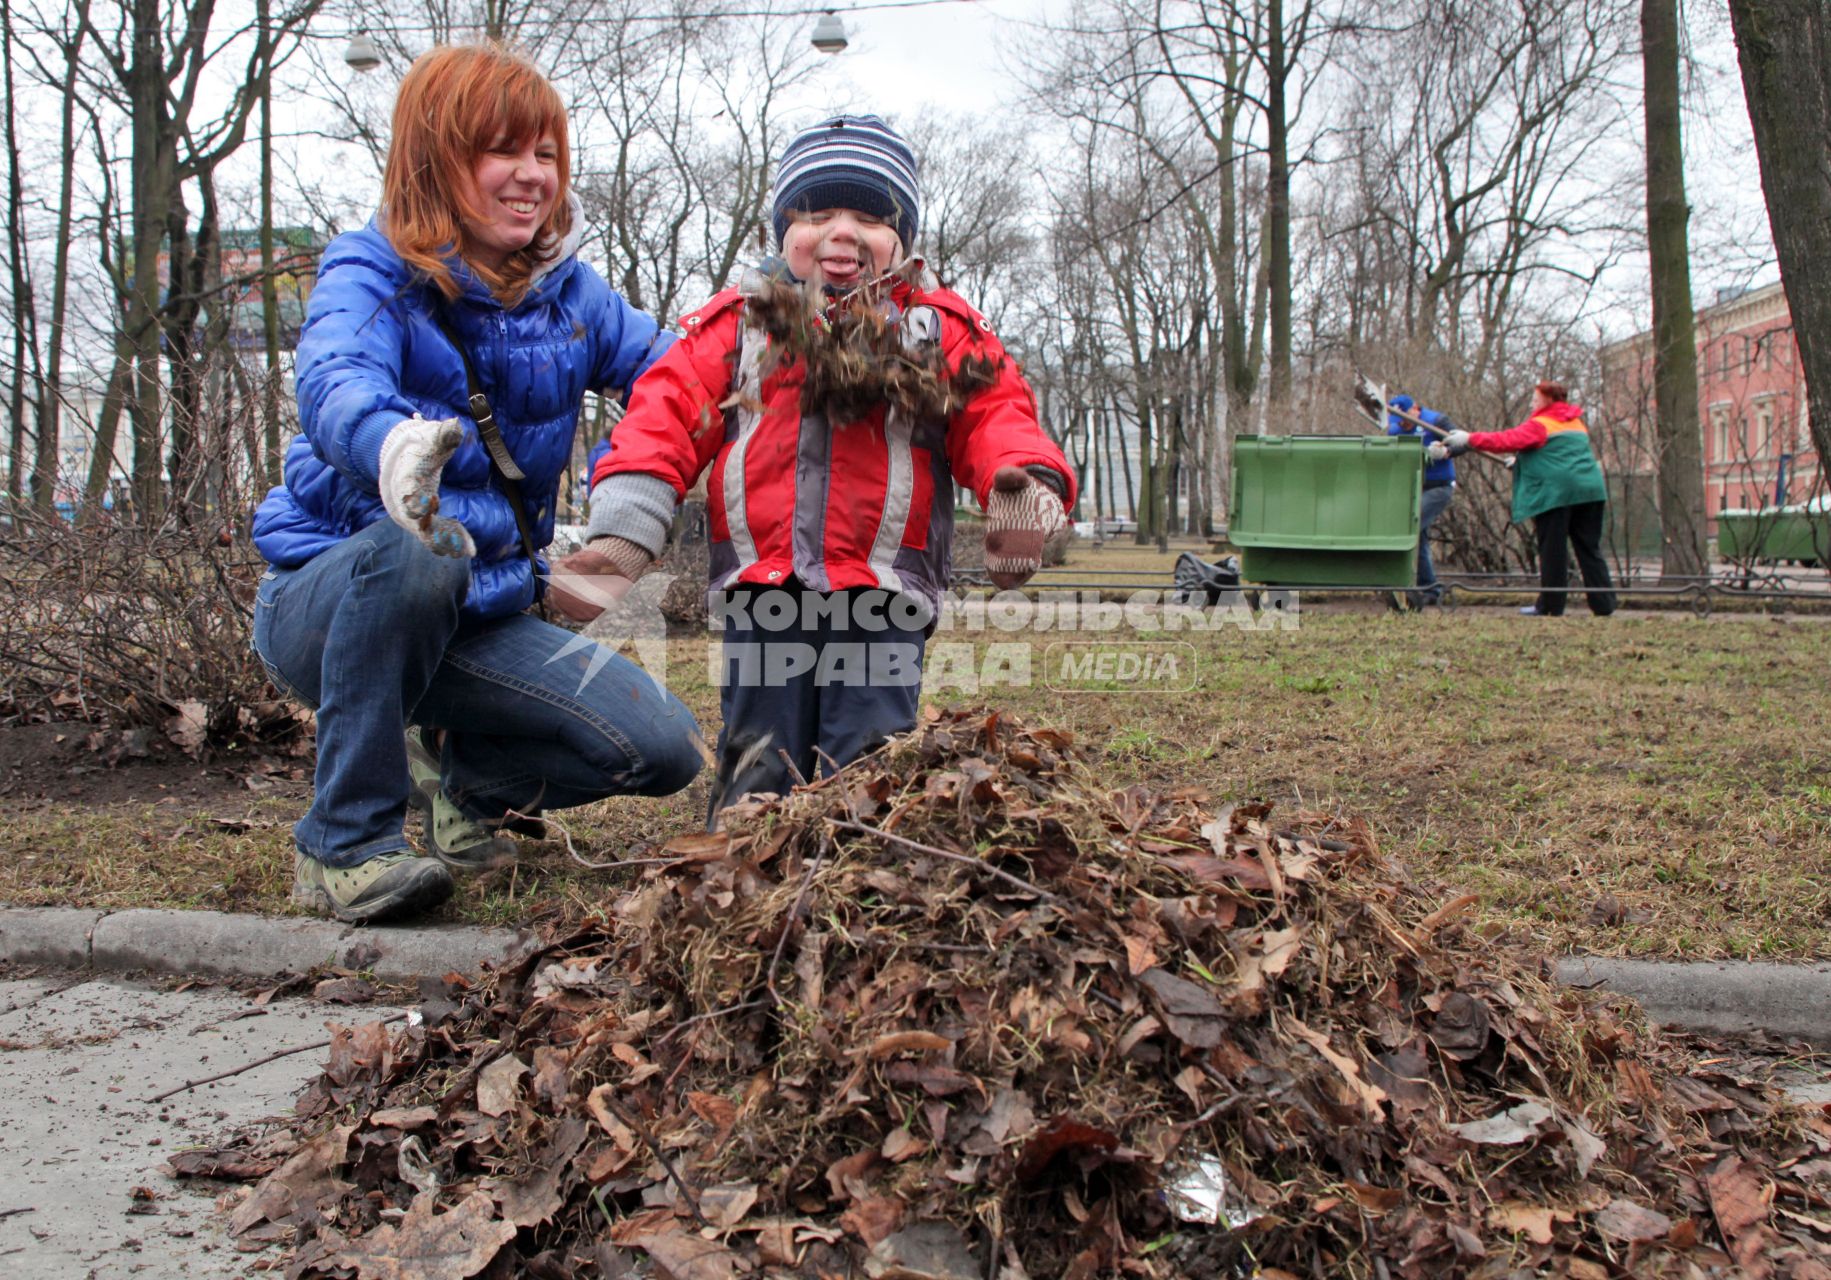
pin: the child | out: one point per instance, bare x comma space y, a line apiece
403, 544
837, 395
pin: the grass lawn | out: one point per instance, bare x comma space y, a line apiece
1651, 785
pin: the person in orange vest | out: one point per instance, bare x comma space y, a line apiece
1558, 485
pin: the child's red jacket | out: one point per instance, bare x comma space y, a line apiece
868, 503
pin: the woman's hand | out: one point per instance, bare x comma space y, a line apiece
585, 583
412, 456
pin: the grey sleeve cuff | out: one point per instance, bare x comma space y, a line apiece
634, 506
1050, 478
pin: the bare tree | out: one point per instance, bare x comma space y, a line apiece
1784, 47
1681, 473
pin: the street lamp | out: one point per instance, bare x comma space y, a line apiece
829, 33
362, 55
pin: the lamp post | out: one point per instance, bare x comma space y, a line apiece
362, 54
829, 33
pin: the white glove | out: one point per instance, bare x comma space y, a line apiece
413, 454
1436, 451
1457, 439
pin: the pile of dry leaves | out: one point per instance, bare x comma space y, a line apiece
965, 1012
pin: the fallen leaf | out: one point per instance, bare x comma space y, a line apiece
1191, 1012
848, 1177
498, 1084
900, 1145
1370, 1095
431, 1246
1061, 1135
1624, 1220
307, 1177
1741, 1201
725, 1206
403, 1117
1506, 1128
681, 1255
719, 1112
1530, 1220
538, 1194
1460, 1030
873, 1218
1139, 955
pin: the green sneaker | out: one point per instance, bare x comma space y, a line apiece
456, 839
386, 886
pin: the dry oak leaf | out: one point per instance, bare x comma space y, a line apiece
427, 1246
725, 1206
681, 1255
498, 1083
1533, 1221
308, 1175
1190, 1011
719, 1112
1622, 1219
873, 1219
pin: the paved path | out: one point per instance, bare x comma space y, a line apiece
77, 1056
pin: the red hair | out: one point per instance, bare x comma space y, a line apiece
1556, 392
454, 103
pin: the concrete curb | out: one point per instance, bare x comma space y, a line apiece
1788, 1000
222, 944
1793, 1001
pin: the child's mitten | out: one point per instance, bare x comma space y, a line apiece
586, 582
1020, 513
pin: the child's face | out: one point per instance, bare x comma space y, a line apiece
515, 184
840, 247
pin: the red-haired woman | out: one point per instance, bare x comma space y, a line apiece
1559, 487
404, 544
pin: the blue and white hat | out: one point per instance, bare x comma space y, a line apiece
849, 162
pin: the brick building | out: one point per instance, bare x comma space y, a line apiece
1751, 405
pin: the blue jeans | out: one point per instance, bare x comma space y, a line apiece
1432, 503
369, 634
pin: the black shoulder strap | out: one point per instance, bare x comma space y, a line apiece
502, 463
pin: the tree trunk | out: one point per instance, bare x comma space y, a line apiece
101, 450
24, 346
50, 430
1278, 202
1681, 474
270, 293
1784, 47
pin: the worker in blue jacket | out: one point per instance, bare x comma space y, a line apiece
1439, 488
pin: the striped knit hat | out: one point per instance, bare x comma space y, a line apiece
849, 162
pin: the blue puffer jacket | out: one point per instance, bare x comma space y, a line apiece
371, 354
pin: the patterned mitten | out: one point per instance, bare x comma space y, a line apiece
1021, 513
589, 580
413, 453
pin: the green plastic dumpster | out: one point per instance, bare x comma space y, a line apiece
1327, 510
1774, 534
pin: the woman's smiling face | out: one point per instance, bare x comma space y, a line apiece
513, 185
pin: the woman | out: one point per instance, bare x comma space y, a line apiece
1558, 485
401, 566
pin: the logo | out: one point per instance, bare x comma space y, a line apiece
632, 619
1119, 666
